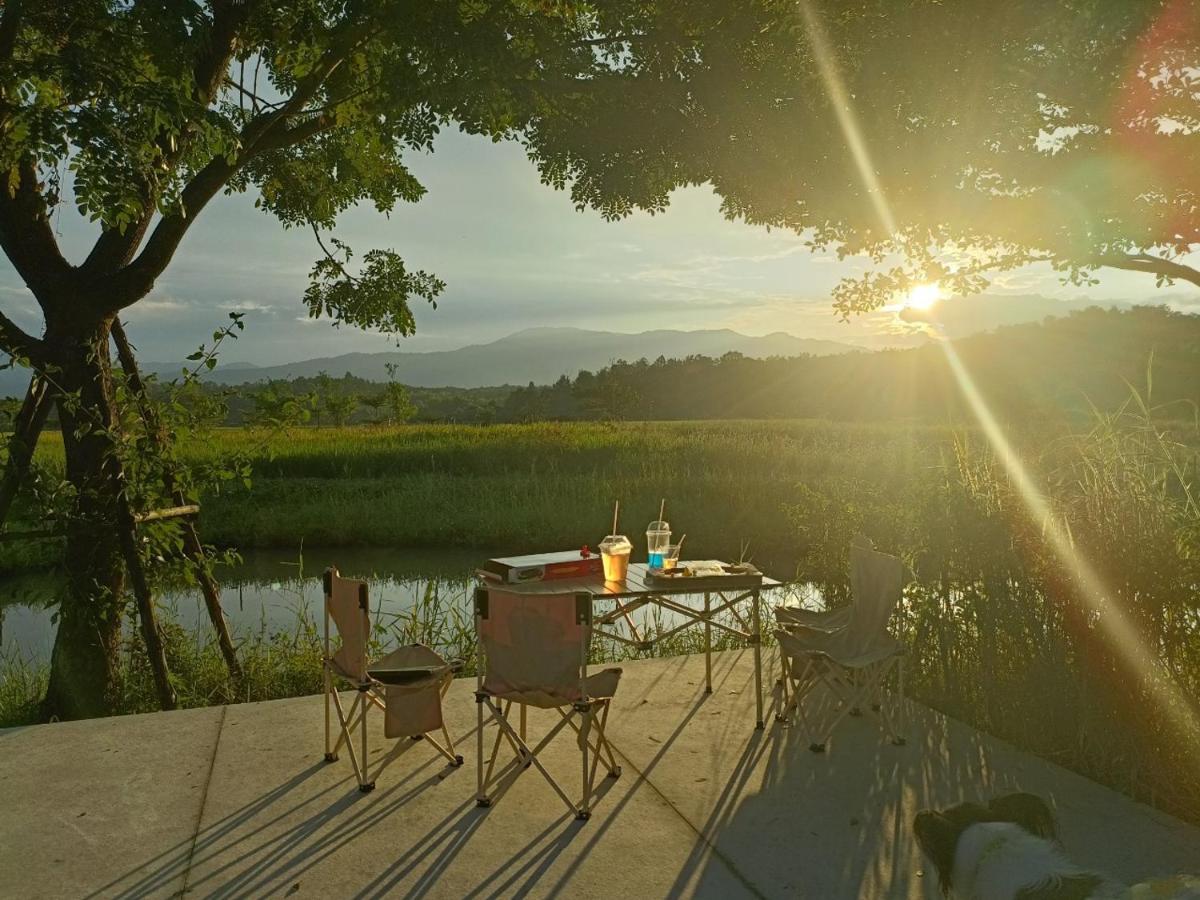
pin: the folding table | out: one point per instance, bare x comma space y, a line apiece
614, 602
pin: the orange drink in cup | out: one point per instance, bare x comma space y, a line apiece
614, 555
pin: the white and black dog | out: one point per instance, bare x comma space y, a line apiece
1008, 850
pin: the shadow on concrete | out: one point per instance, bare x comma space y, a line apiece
643, 781
837, 825
300, 845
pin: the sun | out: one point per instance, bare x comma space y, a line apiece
923, 296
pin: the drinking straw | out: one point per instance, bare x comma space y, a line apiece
616, 506
662, 506
679, 546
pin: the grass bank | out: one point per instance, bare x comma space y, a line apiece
518, 488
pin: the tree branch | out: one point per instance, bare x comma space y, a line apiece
25, 233
27, 426
1151, 265
10, 24
262, 134
16, 342
114, 248
136, 280
612, 39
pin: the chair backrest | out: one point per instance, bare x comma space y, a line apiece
534, 645
346, 602
876, 585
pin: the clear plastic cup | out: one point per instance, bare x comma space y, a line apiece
658, 538
671, 557
614, 555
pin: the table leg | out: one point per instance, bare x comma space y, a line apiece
707, 643
757, 638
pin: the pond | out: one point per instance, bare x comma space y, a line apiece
268, 589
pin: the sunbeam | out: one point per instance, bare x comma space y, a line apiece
839, 99
1115, 627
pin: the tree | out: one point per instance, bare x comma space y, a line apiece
396, 399
949, 142
156, 108
339, 407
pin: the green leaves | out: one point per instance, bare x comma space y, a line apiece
376, 297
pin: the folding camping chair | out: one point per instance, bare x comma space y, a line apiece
824, 619
533, 651
852, 662
408, 684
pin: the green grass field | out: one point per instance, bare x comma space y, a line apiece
517, 488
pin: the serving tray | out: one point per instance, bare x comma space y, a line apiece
734, 577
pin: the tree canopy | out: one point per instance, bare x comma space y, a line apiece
155, 108
956, 140
945, 140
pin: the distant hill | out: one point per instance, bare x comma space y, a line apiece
538, 355
1024, 372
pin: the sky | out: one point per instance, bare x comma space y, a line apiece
516, 254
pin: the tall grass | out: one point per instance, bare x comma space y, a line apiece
1005, 632
520, 488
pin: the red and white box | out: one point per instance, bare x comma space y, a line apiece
543, 567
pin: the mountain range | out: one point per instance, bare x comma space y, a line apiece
538, 355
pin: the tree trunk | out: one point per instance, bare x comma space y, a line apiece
192, 547
84, 663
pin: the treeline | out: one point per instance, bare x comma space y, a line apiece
1023, 372
1036, 370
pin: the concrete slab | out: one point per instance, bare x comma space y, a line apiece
93, 808
280, 821
239, 802
794, 823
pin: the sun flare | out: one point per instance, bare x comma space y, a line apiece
923, 296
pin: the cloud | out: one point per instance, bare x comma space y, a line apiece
160, 304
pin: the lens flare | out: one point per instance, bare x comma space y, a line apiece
1114, 626
839, 99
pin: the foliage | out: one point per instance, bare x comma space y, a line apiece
951, 141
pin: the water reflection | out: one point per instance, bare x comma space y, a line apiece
266, 591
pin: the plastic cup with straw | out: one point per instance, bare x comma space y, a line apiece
658, 538
615, 550
671, 557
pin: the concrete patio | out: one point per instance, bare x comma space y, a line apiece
237, 801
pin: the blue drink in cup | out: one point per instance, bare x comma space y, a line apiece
658, 538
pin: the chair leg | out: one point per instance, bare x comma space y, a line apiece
347, 721
897, 731
330, 756
707, 644
527, 756
614, 770
583, 812
481, 799
365, 786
